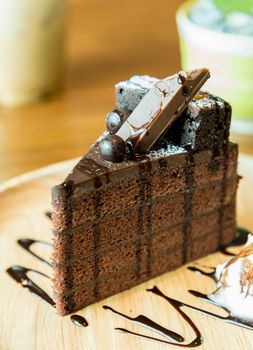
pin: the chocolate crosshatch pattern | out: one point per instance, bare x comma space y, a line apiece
119, 246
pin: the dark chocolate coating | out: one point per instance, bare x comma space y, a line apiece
112, 148
114, 120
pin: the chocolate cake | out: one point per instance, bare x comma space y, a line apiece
117, 224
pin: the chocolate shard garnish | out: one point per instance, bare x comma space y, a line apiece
160, 107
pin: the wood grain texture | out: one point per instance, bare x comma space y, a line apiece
28, 323
107, 41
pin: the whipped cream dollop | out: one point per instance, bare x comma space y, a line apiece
235, 284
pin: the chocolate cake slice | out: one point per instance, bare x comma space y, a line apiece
117, 224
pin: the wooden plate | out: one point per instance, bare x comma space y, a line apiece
27, 322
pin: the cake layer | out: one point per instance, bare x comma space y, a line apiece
120, 277
122, 227
165, 238
166, 178
144, 225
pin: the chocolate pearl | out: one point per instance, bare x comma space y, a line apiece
114, 120
112, 148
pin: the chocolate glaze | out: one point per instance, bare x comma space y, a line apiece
145, 195
147, 322
69, 188
225, 168
79, 320
228, 319
242, 236
188, 199
90, 167
93, 169
26, 243
19, 274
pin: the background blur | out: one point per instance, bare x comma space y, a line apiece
106, 42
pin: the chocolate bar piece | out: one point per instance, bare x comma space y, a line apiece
129, 93
160, 107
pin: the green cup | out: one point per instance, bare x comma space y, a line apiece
230, 60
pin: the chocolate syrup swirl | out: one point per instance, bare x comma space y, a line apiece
147, 322
27, 243
241, 239
178, 305
228, 319
20, 275
79, 320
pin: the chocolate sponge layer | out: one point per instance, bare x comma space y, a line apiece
142, 223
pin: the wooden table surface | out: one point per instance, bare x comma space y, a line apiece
107, 41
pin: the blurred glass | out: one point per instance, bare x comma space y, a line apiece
31, 49
224, 44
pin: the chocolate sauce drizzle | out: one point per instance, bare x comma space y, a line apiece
48, 215
94, 170
27, 243
145, 194
241, 239
146, 322
228, 319
188, 199
69, 186
225, 173
79, 320
149, 216
210, 274
20, 275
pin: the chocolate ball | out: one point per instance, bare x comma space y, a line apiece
114, 120
112, 148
